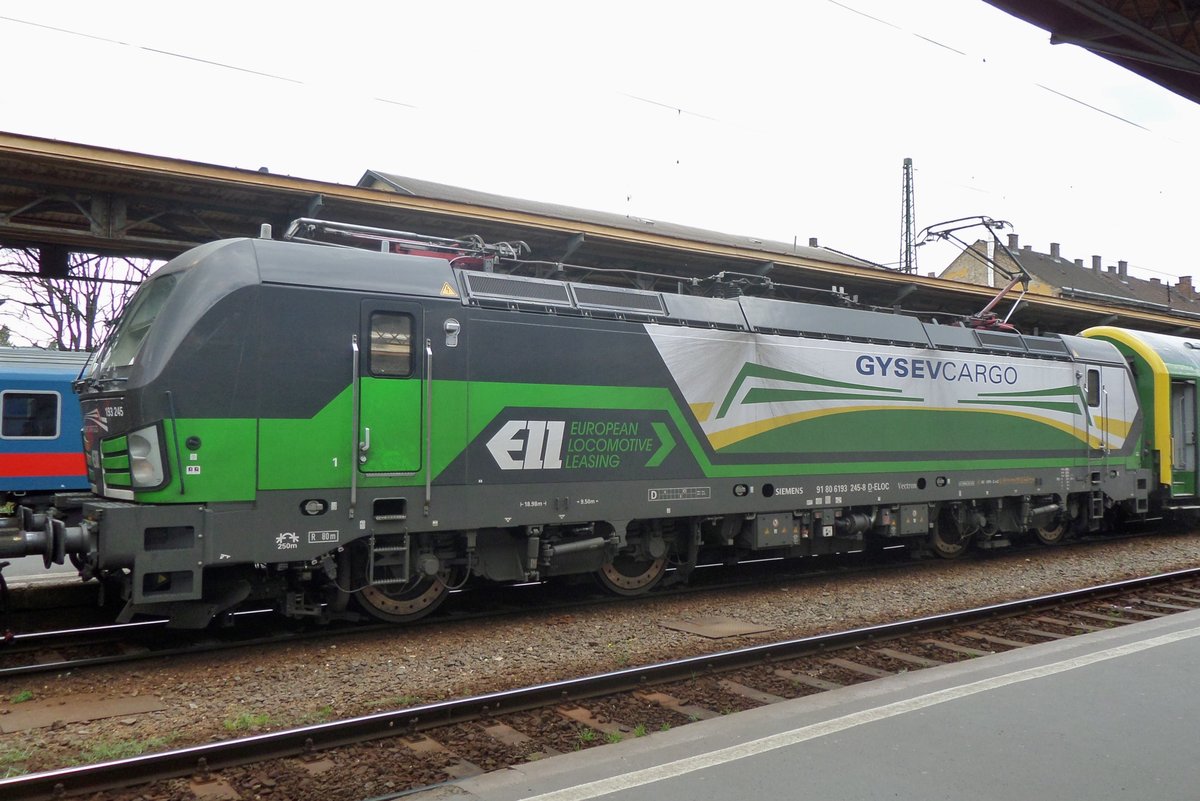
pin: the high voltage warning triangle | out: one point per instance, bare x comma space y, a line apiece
448, 291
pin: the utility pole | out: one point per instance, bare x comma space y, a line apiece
908, 249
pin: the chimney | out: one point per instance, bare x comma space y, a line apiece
1156, 280
1027, 248
1096, 263
1054, 250
1123, 269
1079, 263
1012, 241
1112, 269
812, 242
1185, 286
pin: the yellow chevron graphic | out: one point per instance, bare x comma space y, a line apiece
735, 434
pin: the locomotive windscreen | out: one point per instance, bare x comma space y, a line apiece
121, 348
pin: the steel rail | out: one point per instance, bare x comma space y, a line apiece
109, 633
490, 610
50, 638
56, 784
188, 649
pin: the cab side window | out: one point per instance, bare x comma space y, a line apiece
1093, 388
391, 344
29, 415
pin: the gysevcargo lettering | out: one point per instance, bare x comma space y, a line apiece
935, 369
557, 444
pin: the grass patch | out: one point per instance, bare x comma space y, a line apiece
12, 762
316, 716
22, 697
620, 654
247, 720
324, 713
397, 702
119, 749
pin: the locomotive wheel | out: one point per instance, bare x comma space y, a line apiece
404, 603
948, 546
1052, 534
626, 575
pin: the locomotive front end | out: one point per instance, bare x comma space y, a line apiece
143, 523
118, 460
122, 459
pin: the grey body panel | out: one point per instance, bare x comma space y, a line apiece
805, 318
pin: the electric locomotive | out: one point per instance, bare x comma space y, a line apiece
339, 431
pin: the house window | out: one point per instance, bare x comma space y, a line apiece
391, 344
29, 415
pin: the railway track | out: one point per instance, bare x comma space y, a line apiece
51, 651
88, 646
419, 746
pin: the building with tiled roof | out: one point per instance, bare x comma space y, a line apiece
1052, 274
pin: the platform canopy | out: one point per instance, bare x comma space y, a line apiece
1157, 39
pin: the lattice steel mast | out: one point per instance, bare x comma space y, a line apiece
908, 248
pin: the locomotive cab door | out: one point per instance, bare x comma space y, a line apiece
1095, 396
1183, 438
391, 384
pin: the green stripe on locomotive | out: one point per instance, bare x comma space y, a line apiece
315, 453
223, 468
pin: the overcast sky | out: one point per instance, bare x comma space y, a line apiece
772, 119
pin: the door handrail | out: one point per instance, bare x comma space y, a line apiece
428, 425
354, 442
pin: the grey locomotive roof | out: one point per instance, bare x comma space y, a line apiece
351, 268
805, 318
248, 261
454, 194
1093, 350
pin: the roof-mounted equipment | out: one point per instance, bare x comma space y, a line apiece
469, 252
985, 318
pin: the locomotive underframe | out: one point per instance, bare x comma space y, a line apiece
191, 562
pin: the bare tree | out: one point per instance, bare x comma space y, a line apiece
71, 313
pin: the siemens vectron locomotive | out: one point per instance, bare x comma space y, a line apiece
339, 430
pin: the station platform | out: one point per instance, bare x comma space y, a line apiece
1106, 715
31, 586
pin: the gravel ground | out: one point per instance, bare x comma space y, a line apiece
238, 693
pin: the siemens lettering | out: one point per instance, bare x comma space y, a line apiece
946, 370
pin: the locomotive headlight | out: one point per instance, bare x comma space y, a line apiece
145, 458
